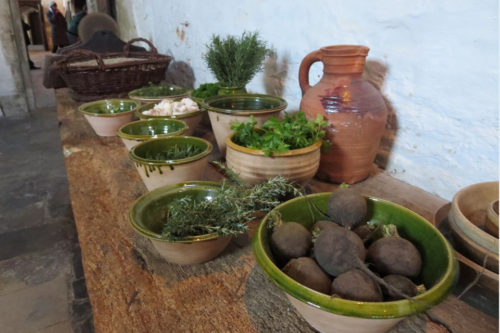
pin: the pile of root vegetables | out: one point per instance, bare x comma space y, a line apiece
345, 257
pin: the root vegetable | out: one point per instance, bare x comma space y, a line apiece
306, 271
395, 255
357, 286
290, 240
338, 250
402, 284
347, 207
324, 224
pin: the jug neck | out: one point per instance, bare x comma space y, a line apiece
346, 60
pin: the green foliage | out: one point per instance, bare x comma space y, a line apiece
176, 152
228, 211
206, 90
234, 61
279, 136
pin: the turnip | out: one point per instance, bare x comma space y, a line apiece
357, 286
306, 271
290, 240
338, 250
395, 255
346, 207
403, 284
324, 224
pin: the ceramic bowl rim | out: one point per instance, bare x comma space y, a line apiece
144, 161
385, 310
138, 137
143, 107
149, 197
456, 208
257, 152
186, 93
82, 107
282, 104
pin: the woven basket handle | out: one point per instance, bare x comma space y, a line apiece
79, 52
126, 47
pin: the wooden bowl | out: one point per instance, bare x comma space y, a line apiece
492, 218
468, 217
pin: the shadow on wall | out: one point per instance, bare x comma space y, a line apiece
275, 72
375, 73
181, 74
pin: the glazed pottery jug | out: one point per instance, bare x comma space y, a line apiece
354, 108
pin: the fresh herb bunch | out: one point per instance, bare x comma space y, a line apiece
206, 90
279, 136
229, 210
176, 152
235, 61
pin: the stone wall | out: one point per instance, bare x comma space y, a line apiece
436, 62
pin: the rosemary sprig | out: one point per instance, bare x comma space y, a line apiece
230, 209
175, 152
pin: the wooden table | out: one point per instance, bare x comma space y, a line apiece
132, 289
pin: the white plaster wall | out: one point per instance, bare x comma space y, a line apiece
442, 60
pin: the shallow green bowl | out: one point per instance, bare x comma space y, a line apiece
155, 93
145, 107
139, 153
149, 212
109, 107
142, 130
245, 104
439, 268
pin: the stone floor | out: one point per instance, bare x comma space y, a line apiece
42, 286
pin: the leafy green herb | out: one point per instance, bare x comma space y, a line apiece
279, 136
206, 90
234, 61
229, 210
175, 152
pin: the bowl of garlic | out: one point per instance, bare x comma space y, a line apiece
186, 110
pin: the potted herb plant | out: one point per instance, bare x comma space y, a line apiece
235, 60
193, 222
288, 147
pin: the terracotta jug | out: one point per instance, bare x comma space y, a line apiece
354, 108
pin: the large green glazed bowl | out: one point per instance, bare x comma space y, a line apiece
139, 153
149, 106
155, 93
149, 211
109, 107
244, 104
142, 130
439, 268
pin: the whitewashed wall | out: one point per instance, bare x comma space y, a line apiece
441, 56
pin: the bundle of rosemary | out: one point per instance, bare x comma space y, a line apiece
228, 211
235, 61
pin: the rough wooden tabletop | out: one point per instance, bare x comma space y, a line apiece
132, 289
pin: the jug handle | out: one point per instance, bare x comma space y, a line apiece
305, 65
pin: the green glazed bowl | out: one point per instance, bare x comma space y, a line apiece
244, 104
143, 130
155, 93
439, 267
109, 107
156, 173
108, 115
149, 212
139, 152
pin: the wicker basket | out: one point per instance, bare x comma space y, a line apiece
93, 74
